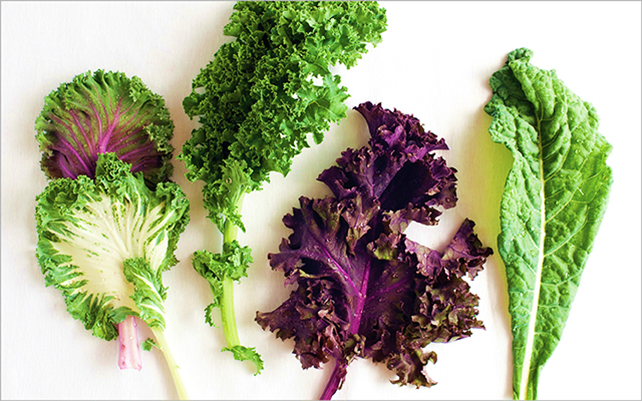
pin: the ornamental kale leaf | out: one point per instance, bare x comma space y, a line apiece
363, 288
257, 103
553, 204
104, 112
104, 243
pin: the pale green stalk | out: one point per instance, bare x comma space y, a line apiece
230, 232
162, 344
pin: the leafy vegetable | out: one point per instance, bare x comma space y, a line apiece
104, 112
554, 201
105, 243
257, 102
363, 288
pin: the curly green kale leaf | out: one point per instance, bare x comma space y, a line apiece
258, 102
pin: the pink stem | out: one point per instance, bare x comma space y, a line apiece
334, 382
129, 349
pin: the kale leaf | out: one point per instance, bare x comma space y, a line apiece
363, 288
258, 102
100, 113
554, 200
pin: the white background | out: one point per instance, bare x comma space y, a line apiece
434, 62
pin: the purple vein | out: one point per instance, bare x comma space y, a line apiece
125, 143
129, 108
142, 164
89, 142
144, 149
104, 140
361, 299
122, 131
65, 170
109, 101
134, 120
100, 121
123, 128
95, 137
68, 148
390, 288
105, 107
68, 144
338, 267
122, 137
356, 321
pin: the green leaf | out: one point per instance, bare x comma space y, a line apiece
210, 308
148, 344
222, 197
104, 112
256, 101
149, 293
554, 201
242, 353
257, 105
232, 263
105, 243
207, 264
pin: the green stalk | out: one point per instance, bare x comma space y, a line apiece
230, 232
223, 269
162, 344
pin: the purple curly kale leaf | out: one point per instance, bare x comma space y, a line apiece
363, 288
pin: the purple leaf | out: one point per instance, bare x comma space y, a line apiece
362, 288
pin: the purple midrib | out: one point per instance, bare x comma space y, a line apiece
361, 301
360, 293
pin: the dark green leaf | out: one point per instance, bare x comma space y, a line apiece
554, 201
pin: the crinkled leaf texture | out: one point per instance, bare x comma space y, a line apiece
232, 263
105, 243
553, 204
242, 353
363, 288
256, 100
104, 112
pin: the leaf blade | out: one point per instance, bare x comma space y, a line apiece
103, 112
554, 201
363, 288
104, 244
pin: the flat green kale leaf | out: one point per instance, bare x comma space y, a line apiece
553, 203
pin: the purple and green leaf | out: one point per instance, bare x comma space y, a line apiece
100, 113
